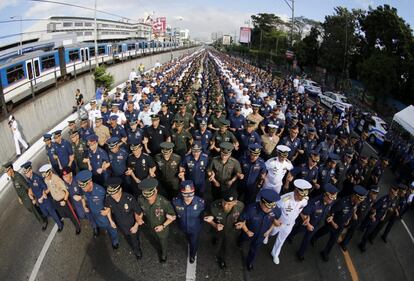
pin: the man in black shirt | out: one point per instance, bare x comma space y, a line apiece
124, 213
154, 135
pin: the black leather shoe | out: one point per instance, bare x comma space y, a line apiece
60, 228
384, 239
95, 232
44, 225
249, 267
324, 256
138, 255
78, 231
192, 259
115, 246
163, 259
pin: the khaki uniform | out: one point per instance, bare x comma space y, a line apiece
255, 118
103, 134
56, 187
269, 144
155, 215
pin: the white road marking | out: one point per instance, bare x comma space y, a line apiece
408, 231
43, 253
190, 274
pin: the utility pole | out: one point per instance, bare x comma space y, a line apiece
96, 37
291, 5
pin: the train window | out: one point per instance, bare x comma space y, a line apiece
15, 73
48, 62
74, 55
37, 68
131, 47
120, 48
101, 50
92, 51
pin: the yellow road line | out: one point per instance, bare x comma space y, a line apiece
350, 265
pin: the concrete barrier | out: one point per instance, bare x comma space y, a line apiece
51, 107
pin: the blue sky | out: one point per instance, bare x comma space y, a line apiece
200, 17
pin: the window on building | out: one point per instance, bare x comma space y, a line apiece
48, 62
15, 73
67, 24
88, 24
78, 24
88, 33
79, 33
74, 55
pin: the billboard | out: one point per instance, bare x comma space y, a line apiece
245, 34
159, 25
226, 39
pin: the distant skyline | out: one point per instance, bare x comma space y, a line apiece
201, 17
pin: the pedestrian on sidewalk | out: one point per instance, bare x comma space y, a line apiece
17, 136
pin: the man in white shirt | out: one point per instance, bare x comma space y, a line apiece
17, 136
144, 116
93, 113
296, 83
291, 204
132, 75
155, 106
121, 116
245, 97
277, 167
247, 109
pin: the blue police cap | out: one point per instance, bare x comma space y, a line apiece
334, 157
269, 196
112, 142
229, 195
113, 185
187, 184
105, 104
330, 188
360, 190
57, 133
26, 166
255, 148
92, 137
374, 188
83, 177
47, 137
196, 146
113, 117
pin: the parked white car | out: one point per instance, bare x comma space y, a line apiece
377, 128
311, 87
336, 102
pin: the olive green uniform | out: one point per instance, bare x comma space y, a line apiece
182, 142
167, 174
228, 220
79, 154
216, 122
187, 119
223, 173
228, 136
21, 187
155, 215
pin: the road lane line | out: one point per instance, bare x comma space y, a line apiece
350, 265
408, 231
190, 274
43, 253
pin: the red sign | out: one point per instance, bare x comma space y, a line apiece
159, 25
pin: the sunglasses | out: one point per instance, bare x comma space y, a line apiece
331, 196
302, 192
269, 205
187, 194
360, 198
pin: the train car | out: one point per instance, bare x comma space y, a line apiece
36, 69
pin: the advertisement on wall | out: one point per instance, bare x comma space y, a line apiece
245, 34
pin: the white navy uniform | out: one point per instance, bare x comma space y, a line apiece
276, 170
17, 136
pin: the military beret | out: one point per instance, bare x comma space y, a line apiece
360, 190
113, 185
238, 108
229, 195
226, 147
167, 145
255, 148
92, 138
83, 177
164, 104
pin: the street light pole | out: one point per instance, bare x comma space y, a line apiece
291, 5
96, 37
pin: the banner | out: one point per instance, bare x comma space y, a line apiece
159, 25
245, 34
226, 39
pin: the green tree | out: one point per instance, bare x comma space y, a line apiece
307, 50
102, 78
339, 41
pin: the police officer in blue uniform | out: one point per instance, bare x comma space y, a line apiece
39, 194
85, 130
97, 160
341, 214
193, 167
312, 215
257, 220
204, 136
254, 171
50, 151
308, 171
190, 210
237, 120
293, 142
117, 157
134, 133
77, 198
248, 136
95, 198
117, 130
64, 152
